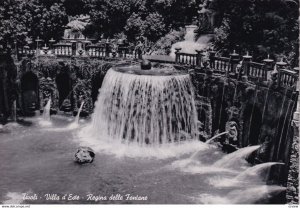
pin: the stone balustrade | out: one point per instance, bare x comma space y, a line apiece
25, 51
62, 49
287, 78
95, 51
234, 66
220, 64
256, 71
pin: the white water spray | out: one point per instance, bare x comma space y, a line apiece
144, 109
235, 157
255, 170
190, 45
78, 113
46, 113
46, 120
216, 136
75, 124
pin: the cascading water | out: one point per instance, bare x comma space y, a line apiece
190, 45
255, 170
78, 113
46, 120
46, 113
233, 158
75, 124
145, 107
216, 136
157, 108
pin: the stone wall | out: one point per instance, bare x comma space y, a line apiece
262, 111
8, 89
292, 195
67, 82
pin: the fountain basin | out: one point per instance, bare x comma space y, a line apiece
136, 70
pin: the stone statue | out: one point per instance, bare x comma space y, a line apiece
205, 17
231, 128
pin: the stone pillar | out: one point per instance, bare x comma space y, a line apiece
279, 66
86, 43
292, 193
269, 64
38, 40
177, 58
73, 46
234, 60
107, 49
244, 71
198, 58
212, 55
51, 42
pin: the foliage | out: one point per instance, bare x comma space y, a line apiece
31, 18
164, 44
148, 18
151, 27
260, 26
151, 19
75, 7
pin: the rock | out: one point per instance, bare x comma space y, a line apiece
84, 155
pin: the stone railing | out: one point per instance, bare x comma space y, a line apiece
234, 66
97, 51
287, 78
25, 51
188, 59
79, 49
220, 64
256, 71
61, 49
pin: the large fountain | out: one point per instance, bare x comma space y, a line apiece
145, 106
144, 133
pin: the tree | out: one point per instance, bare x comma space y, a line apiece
155, 26
112, 17
151, 27
31, 18
259, 26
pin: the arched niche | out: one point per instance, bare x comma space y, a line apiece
64, 85
29, 93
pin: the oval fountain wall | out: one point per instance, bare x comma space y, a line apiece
146, 107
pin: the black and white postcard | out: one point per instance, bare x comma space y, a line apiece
159, 102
